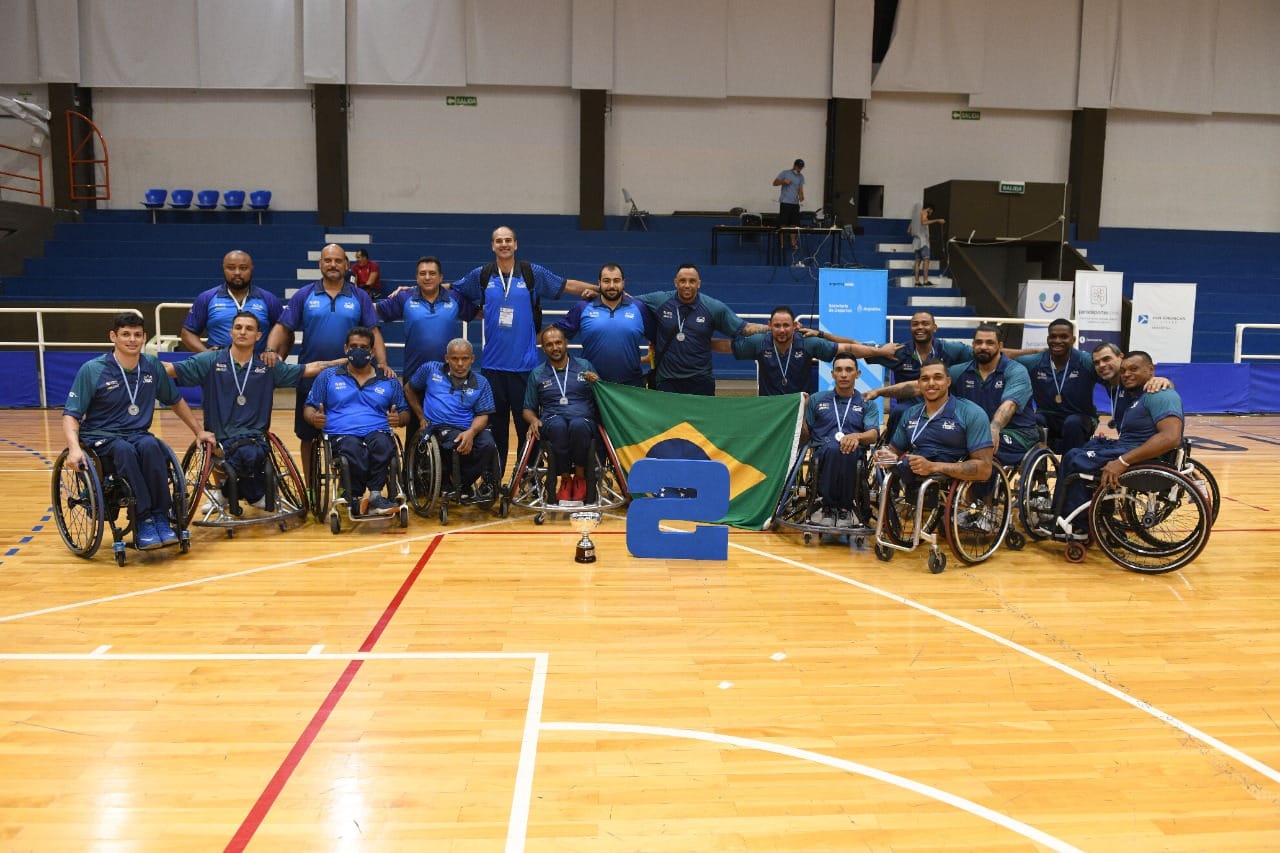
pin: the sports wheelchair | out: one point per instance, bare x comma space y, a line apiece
330, 487
1155, 520
212, 495
86, 501
800, 502
433, 480
973, 517
533, 485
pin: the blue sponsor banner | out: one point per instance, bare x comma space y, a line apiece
853, 303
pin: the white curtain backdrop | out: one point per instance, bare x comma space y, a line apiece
518, 43
937, 46
324, 41
776, 51
1164, 56
407, 43
851, 48
592, 66
670, 47
1029, 70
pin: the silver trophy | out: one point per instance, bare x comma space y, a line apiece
584, 523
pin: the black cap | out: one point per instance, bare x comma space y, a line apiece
799, 164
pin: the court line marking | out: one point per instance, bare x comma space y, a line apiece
975, 809
1147, 708
522, 796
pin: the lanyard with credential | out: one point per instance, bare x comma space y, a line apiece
564, 389
915, 434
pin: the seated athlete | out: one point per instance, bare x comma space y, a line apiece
559, 406
839, 422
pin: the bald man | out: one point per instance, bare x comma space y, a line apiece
214, 309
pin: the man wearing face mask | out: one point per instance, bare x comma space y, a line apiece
358, 407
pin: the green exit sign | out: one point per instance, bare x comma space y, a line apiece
966, 115
460, 101
1013, 187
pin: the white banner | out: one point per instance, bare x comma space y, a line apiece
1099, 299
1164, 318
1042, 300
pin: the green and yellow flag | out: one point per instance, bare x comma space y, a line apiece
755, 437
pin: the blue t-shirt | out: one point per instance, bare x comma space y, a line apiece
447, 401
611, 337
957, 430
780, 373
827, 414
1074, 383
1141, 416
102, 392
428, 325
697, 322
510, 339
1009, 381
325, 321
354, 409
548, 386
905, 364
221, 382
790, 193
214, 309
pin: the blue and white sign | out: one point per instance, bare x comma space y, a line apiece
1043, 300
1164, 318
852, 303
1099, 301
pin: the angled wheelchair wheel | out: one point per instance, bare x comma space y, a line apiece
613, 480
978, 516
197, 462
528, 485
422, 473
78, 506
1036, 483
177, 498
1199, 474
320, 487
1154, 521
798, 499
291, 492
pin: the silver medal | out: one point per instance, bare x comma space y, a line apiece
839, 436
133, 409
564, 401
679, 336
241, 400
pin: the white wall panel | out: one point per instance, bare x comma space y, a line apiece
517, 43
779, 50
670, 47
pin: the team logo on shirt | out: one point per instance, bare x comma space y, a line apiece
147, 379
699, 319
950, 425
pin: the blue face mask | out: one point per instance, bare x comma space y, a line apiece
359, 357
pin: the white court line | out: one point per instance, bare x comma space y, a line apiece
14, 617
97, 655
522, 796
975, 809
1186, 728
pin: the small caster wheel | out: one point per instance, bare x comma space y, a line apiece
859, 542
883, 553
281, 525
504, 507
404, 516
231, 534
120, 557
1015, 540
539, 519
807, 538
335, 523
1075, 552
937, 562
444, 512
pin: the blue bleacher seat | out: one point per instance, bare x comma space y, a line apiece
154, 199
207, 199
260, 199
233, 199
180, 199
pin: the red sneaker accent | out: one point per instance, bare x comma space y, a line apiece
579, 488
565, 492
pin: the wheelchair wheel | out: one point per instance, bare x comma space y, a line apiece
197, 462
797, 501
291, 493
78, 507
1155, 521
937, 562
528, 484
1035, 493
1213, 497
978, 516
321, 487
178, 498
422, 470
612, 485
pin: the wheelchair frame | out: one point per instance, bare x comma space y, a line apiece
286, 491
81, 500
330, 485
424, 479
533, 480
800, 499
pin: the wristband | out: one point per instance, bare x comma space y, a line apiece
1120, 459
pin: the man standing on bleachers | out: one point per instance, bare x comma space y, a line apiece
214, 310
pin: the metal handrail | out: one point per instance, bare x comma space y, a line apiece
38, 180
41, 343
1240, 330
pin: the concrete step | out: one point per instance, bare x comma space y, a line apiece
906, 264
936, 301
894, 248
906, 281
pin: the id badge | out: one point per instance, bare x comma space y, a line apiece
506, 316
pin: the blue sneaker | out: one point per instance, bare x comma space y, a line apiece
165, 532
145, 536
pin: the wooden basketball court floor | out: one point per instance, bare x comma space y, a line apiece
471, 687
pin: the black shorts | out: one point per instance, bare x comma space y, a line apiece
788, 214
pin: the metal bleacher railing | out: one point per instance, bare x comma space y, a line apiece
1241, 328
42, 344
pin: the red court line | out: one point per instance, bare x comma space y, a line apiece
268, 797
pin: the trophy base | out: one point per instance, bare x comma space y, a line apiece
586, 553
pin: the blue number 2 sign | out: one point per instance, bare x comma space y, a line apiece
645, 536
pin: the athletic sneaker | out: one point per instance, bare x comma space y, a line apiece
212, 500
163, 530
579, 488
145, 536
565, 492
380, 504
977, 519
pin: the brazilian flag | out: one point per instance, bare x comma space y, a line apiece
755, 437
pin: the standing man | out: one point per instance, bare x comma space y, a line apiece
212, 312
840, 421
613, 327
325, 312
367, 273
110, 408
904, 365
560, 406
432, 316
686, 322
1062, 380
359, 410
238, 390
510, 296
918, 228
790, 197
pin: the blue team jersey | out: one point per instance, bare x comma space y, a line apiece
1008, 381
905, 364
1073, 383
510, 339
447, 401
354, 409
957, 430
214, 309
827, 414
783, 373
697, 321
102, 393
611, 337
1145, 411
428, 325
548, 386
221, 382
325, 321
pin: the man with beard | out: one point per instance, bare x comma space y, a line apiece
559, 406
612, 327
212, 312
